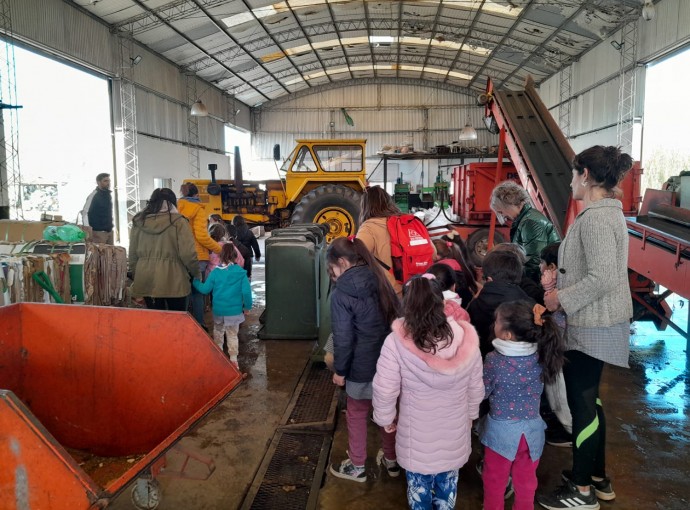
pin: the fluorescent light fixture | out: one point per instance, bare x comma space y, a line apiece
347, 41
378, 67
385, 39
245, 17
490, 6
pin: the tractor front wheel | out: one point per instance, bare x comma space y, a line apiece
331, 204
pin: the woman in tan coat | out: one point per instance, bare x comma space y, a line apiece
377, 207
162, 255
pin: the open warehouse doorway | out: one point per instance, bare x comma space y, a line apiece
65, 133
665, 148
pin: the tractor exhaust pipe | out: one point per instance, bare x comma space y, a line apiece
213, 188
239, 180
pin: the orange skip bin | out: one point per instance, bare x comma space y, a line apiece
112, 382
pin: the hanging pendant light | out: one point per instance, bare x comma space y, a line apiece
648, 10
199, 109
468, 132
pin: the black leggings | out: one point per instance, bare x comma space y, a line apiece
248, 266
177, 304
582, 375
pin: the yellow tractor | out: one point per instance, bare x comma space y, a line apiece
323, 183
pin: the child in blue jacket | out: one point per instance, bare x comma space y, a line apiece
232, 298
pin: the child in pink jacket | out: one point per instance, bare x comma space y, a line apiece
445, 277
434, 365
218, 233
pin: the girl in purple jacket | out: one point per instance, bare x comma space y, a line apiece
529, 350
434, 365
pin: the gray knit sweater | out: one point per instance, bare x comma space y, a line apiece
593, 267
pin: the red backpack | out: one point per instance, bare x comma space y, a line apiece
411, 248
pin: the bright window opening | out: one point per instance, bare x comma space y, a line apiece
665, 148
64, 135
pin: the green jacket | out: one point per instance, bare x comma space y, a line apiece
533, 231
162, 256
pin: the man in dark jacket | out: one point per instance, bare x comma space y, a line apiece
99, 210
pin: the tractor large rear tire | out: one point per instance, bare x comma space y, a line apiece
478, 243
333, 204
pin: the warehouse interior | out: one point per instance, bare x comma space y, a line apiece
158, 92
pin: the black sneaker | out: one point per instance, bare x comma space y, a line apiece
602, 488
568, 497
391, 465
559, 437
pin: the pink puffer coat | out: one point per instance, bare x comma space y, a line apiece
439, 397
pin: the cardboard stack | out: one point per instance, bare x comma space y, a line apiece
18, 285
13, 231
93, 274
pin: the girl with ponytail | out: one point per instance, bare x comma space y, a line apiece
529, 351
363, 305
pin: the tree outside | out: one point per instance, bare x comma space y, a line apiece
663, 163
665, 147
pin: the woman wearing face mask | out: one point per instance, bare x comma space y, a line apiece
529, 228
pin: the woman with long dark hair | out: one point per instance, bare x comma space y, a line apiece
594, 293
162, 254
377, 206
363, 305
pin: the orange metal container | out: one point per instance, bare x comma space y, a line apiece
472, 187
110, 381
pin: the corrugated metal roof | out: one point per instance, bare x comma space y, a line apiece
266, 46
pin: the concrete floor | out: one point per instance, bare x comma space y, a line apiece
235, 435
647, 409
647, 414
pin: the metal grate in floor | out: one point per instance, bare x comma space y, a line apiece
315, 403
290, 475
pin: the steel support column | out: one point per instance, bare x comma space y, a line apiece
566, 93
10, 175
128, 132
627, 84
192, 128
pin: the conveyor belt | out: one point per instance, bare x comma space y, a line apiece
542, 147
678, 233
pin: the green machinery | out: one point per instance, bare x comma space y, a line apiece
402, 195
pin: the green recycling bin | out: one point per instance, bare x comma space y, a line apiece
292, 286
